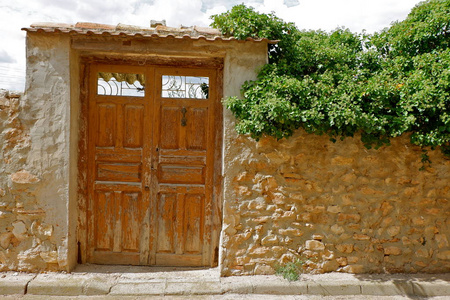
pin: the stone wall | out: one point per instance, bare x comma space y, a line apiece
34, 163
333, 206
25, 239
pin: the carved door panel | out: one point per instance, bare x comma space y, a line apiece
150, 164
183, 161
119, 129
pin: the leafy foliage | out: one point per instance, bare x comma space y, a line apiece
291, 270
339, 83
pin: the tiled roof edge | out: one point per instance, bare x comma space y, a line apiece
85, 28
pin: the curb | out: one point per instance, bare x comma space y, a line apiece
331, 284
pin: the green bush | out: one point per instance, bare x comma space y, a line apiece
340, 83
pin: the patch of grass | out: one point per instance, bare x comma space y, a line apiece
291, 270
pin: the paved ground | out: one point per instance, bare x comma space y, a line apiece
124, 282
213, 297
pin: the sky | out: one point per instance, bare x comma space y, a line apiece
357, 15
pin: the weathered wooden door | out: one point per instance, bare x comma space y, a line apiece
151, 163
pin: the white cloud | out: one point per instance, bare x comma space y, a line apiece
353, 14
5, 57
372, 15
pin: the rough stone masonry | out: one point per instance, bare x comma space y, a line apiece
334, 207
26, 241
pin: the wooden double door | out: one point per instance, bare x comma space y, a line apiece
152, 160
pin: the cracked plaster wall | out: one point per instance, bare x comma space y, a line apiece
34, 166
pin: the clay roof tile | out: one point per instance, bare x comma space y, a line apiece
124, 30
87, 25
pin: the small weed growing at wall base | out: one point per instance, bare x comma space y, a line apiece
291, 270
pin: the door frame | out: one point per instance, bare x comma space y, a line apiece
192, 62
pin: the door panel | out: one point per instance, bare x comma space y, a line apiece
116, 150
193, 231
166, 223
106, 120
184, 163
196, 127
169, 131
134, 117
151, 157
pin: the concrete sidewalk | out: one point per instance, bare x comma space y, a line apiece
93, 280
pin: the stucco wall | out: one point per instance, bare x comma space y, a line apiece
334, 206
35, 162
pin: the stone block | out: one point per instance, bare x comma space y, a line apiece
386, 208
240, 285
334, 288
318, 237
330, 266
352, 259
243, 190
445, 255
260, 252
341, 160
370, 191
98, 285
328, 255
263, 219
392, 250
314, 245
277, 198
441, 240
345, 248
5, 239
361, 237
269, 285
393, 230
418, 221
424, 253
354, 218
288, 215
342, 261
241, 237
14, 283
24, 177
50, 284
387, 288
336, 229
349, 178
19, 229
334, 209
50, 257
264, 270
269, 240
291, 232
431, 288
150, 287
192, 288
354, 269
